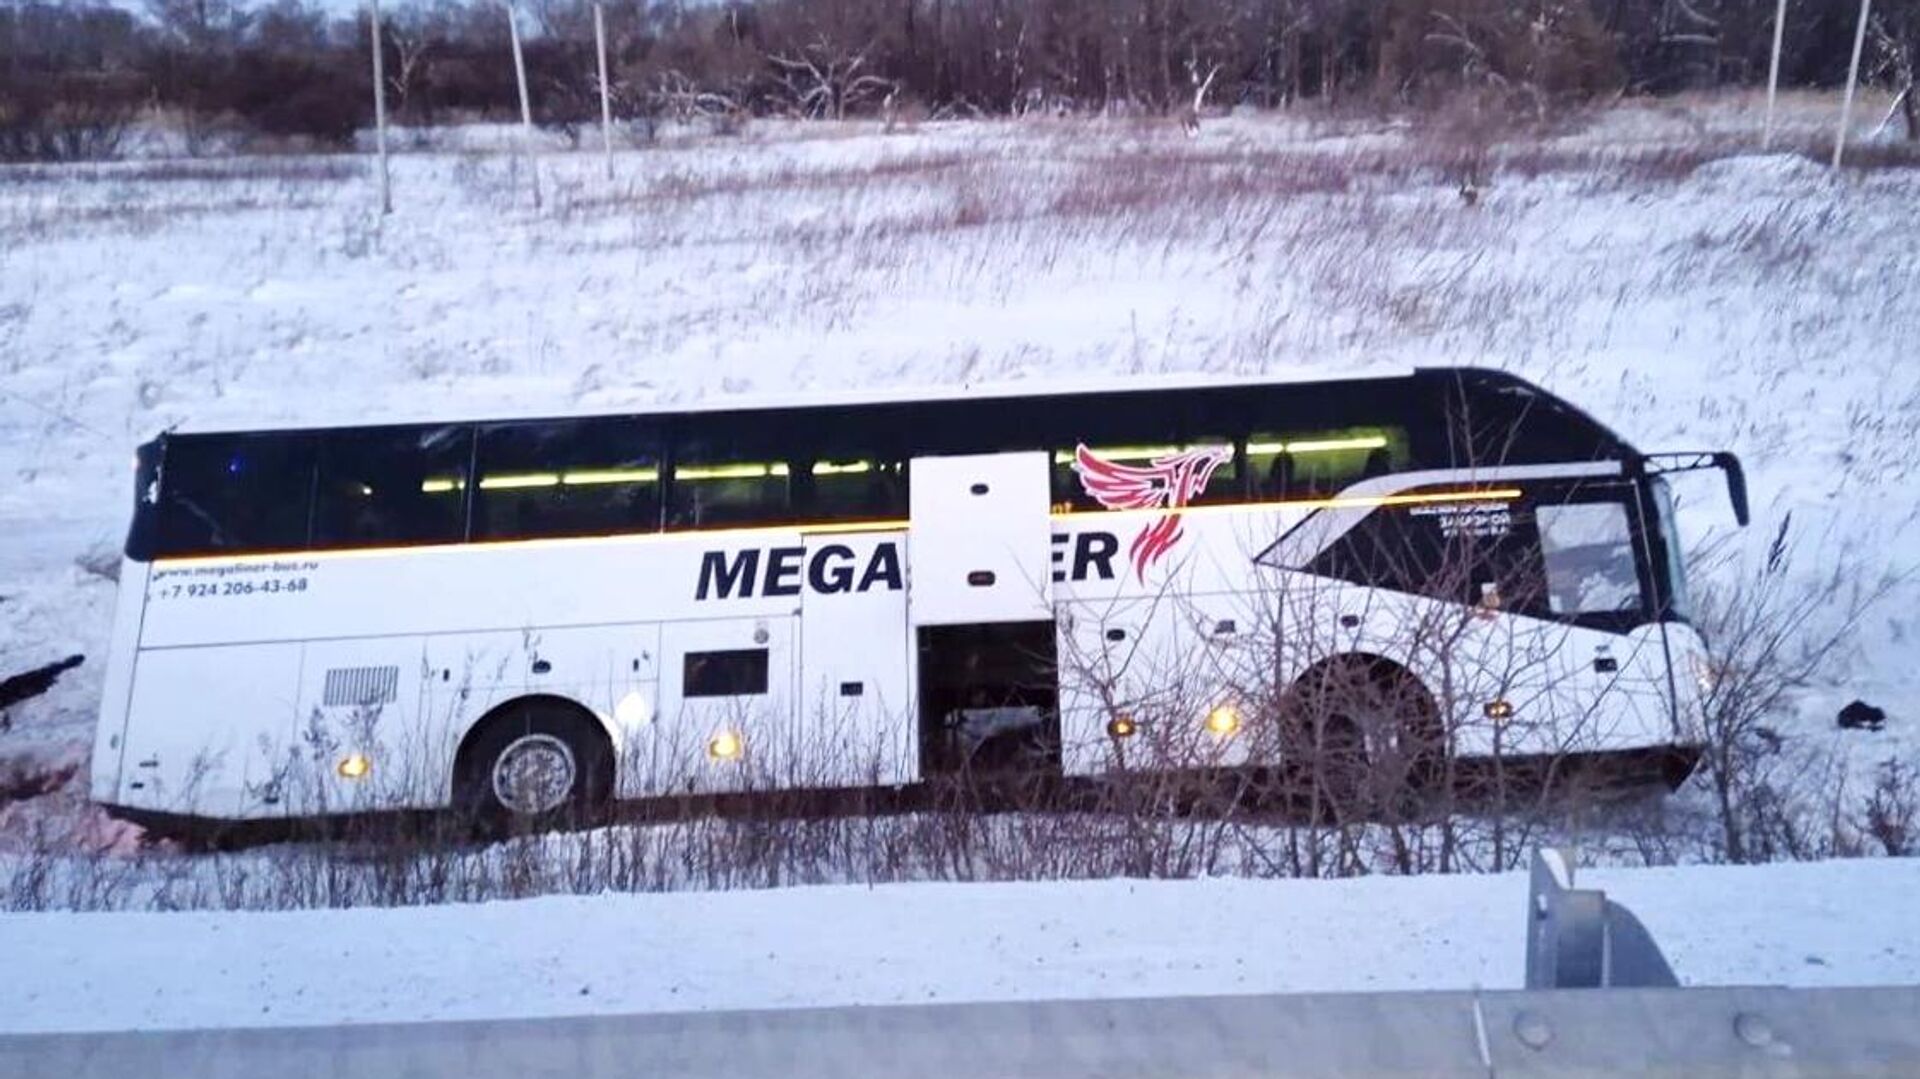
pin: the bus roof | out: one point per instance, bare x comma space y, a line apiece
867, 396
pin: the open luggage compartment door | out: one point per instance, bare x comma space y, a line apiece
979, 545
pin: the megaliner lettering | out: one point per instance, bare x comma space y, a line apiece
836, 568
785, 571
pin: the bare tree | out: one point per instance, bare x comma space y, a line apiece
413, 51
823, 81
1190, 120
1896, 34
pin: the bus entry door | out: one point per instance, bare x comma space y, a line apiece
980, 541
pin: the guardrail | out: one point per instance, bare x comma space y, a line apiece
1565, 1032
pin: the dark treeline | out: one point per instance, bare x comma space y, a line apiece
72, 75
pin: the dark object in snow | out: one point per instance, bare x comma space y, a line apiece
30, 684
1862, 716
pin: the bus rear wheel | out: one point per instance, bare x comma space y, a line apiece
534, 765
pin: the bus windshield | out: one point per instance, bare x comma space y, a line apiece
1679, 601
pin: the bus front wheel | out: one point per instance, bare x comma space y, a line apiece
532, 765
1364, 735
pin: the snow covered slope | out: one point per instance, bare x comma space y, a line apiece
1752, 303
1792, 924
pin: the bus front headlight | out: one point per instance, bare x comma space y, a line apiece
354, 766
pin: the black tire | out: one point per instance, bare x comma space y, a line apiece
508, 776
1365, 737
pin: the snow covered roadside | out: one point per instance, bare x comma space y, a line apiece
1803, 924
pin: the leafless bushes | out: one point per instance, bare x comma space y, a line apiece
65, 117
1133, 830
1770, 635
23, 777
1892, 812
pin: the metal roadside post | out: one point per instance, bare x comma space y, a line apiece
1577, 938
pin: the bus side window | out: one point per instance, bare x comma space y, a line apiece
724, 475
1320, 464
1389, 548
593, 477
1588, 551
850, 489
393, 486
235, 493
1483, 554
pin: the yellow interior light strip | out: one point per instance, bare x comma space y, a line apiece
730, 472
1125, 453
610, 475
1309, 445
514, 483
1318, 445
588, 477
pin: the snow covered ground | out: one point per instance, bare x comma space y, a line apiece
1691, 298
1790, 924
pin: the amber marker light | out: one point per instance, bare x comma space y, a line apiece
724, 746
1223, 720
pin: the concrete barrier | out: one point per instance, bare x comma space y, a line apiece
1640, 1032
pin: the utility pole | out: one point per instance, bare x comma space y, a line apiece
1773, 72
526, 103
380, 113
1853, 77
606, 98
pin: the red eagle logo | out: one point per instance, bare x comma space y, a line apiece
1166, 482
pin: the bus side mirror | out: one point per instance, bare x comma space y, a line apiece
1659, 464
1736, 485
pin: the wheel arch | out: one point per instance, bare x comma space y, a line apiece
1421, 738
1382, 668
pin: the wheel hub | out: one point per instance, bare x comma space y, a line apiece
535, 774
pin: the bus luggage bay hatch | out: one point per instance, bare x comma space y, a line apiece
528, 617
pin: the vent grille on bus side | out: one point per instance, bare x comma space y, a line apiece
361, 685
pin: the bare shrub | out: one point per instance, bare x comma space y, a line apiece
1893, 809
65, 116
24, 777
1770, 634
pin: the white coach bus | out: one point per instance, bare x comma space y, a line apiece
527, 618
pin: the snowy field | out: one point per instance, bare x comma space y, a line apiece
1645, 264
1789, 924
